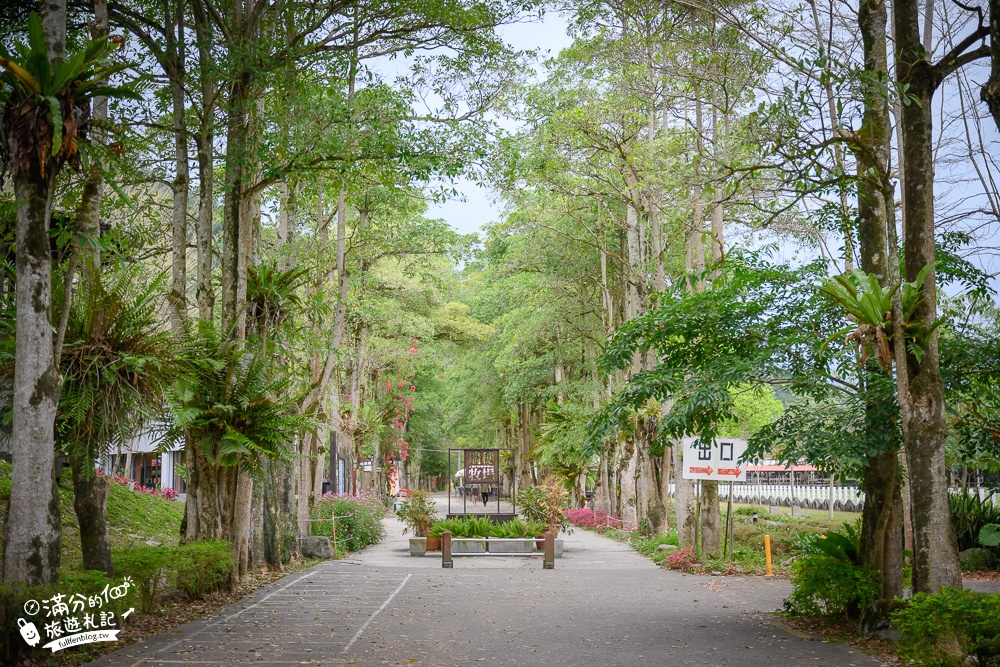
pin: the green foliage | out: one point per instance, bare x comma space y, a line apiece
358, 520
870, 305
977, 558
755, 407
830, 586
464, 527
840, 546
989, 535
861, 295
203, 567
517, 528
237, 401
47, 127
940, 630
442, 526
970, 515
544, 504
272, 296
747, 329
560, 444
417, 513
149, 567
117, 362
196, 569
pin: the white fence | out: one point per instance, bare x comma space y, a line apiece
812, 496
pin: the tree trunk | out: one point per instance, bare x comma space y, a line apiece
205, 141
882, 523
33, 530
90, 500
235, 227
241, 528
177, 298
990, 92
935, 549
628, 468
710, 532
684, 501
881, 534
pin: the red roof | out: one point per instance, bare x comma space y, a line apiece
801, 467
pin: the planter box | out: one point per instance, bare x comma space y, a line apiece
418, 546
510, 546
461, 546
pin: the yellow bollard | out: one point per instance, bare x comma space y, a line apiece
767, 556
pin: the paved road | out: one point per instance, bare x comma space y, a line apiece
602, 605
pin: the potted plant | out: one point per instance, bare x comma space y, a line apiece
470, 527
418, 513
545, 504
438, 528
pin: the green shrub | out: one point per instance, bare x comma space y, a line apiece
463, 527
203, 568
441, 526
805, 543
969, 515
979, 558
518, 528
546, 503
358, 524
148, 567
829, 586
943, 628
750, 511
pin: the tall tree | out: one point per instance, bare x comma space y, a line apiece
922, 404
33, 529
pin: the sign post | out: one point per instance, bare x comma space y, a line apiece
714, 461
717, 461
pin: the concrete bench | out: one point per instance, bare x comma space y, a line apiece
548, 553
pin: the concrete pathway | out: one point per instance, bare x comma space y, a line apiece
603, 605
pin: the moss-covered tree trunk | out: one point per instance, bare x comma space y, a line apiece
935, 548
90, 501
33, 531
881, 534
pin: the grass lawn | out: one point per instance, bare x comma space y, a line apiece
783, 528
133, 518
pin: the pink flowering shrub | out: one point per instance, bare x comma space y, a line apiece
584, 517
166, 493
